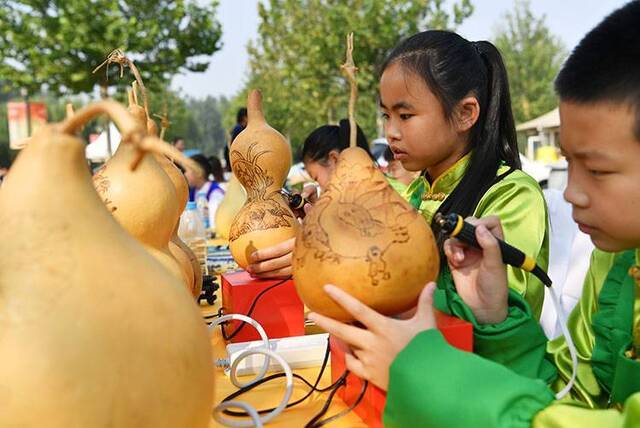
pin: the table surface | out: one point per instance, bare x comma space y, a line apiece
269, 394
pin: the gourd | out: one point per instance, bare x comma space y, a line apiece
362, 237
178, 249
143, 201
260, 158
95, 332
233, 200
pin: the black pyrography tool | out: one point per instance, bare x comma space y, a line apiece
295, 200
454, 226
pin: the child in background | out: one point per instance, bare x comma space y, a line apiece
204, 183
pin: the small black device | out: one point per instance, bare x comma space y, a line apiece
454, 226
295, 200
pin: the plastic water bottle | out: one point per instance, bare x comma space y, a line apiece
203, 208
192, 231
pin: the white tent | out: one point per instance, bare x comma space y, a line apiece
98, 150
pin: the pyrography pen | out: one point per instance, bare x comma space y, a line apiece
295, 200
454, 226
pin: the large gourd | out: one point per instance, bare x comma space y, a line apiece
95, 332
260, 158
362, 237
233, 200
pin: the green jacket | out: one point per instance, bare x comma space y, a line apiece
510, 382
517, 199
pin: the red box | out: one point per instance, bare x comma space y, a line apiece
279, 310
457, 332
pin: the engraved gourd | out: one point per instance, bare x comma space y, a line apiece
260, 158
364, 238
92, 325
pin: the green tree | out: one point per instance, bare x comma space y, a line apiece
55, 44
301, 44
532, 56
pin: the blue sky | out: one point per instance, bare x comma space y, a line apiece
568, 19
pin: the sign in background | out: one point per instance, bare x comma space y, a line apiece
18, 121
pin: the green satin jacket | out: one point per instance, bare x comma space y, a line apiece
517, 199
510, 382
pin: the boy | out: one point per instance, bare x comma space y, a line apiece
431, 384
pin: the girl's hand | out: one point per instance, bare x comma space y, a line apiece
310, 192
373, 349
272, 262
480, 276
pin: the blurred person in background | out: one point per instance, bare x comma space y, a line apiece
241, 123
178, 143
202, 182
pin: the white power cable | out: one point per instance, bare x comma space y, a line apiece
562, 319
256, 420
263, 335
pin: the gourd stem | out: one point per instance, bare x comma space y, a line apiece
254, 107
349, 68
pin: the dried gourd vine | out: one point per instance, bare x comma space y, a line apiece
164, 121
349, 69
117, 56
130, 130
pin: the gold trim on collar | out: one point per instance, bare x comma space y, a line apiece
434, 196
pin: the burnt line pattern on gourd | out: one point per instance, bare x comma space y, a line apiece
366, 208
102, 185
263, 209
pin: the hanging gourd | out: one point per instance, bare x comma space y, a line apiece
362, 236
260, 158
94, 331
143, 201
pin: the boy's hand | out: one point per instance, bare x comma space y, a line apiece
372, 350
272, 262
480, 276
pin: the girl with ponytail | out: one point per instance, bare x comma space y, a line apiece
447, 111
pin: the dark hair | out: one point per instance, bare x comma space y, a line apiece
216, 169
605, 66
324, 139
242, 113
203, 162
453, 68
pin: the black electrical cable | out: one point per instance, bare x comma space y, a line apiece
315, 422
323, 422
249, 312
313, 387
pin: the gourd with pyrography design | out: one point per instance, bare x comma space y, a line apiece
260, 158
